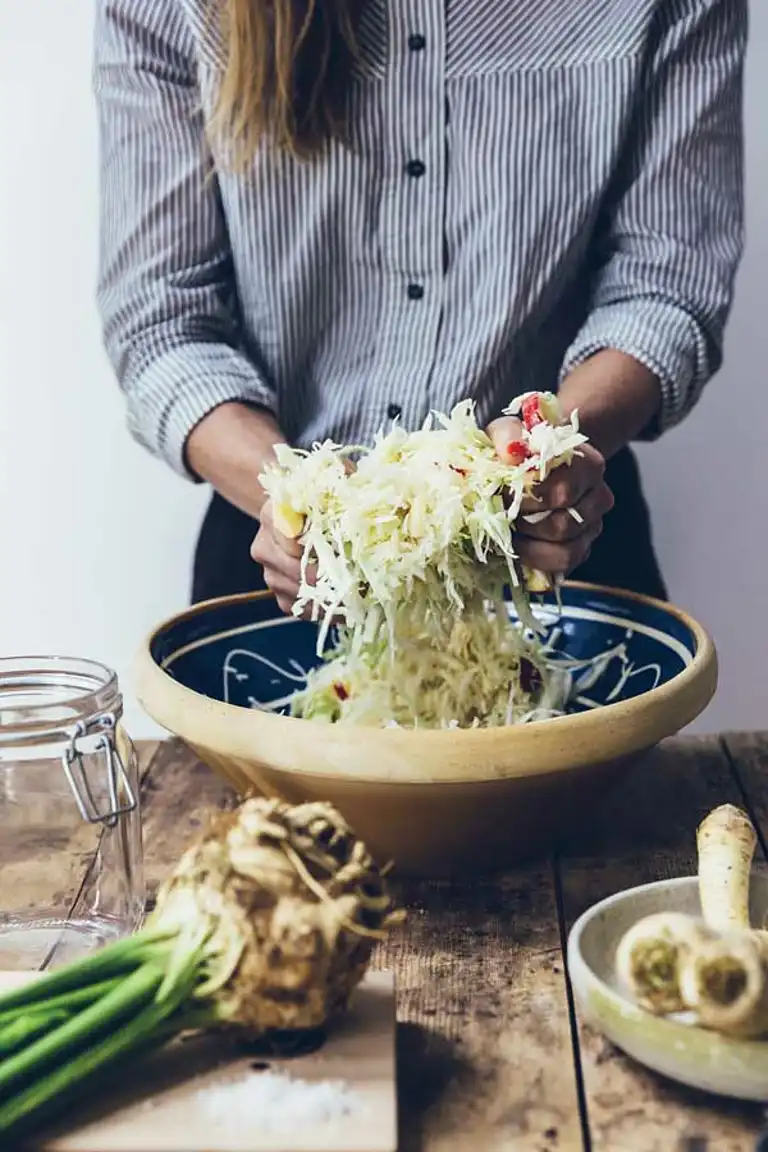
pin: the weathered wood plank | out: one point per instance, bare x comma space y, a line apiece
748, 756
484, 1049
646, 831
177, 792
485, 1053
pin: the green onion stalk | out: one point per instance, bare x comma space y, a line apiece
266, 926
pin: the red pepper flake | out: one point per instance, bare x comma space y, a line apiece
530, 677
531, 411
461, 471
341, 691
517, 452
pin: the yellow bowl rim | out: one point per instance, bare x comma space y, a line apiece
612, 730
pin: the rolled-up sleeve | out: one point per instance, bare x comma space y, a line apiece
166, 289
671, 239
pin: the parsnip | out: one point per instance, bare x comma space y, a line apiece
649, 957
717, 966
726, 843
725, 981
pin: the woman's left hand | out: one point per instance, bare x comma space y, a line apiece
560, 542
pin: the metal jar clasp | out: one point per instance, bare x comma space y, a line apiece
122, 798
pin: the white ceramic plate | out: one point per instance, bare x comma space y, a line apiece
690, 1055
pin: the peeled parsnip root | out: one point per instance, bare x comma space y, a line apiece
725, 981
726, 844
649, 957
718, 966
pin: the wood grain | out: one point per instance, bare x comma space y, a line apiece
484, 1043
485, 1039
646, 831
485, 1057
748, 758
177, 792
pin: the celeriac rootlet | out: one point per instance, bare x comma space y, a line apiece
411, 551
715, 966
266, 925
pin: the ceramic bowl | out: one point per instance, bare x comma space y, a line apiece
437, 802
690, 1055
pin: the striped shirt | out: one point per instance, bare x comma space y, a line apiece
527, 182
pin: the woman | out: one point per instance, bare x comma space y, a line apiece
319, 215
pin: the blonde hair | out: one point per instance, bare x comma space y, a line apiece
286, 74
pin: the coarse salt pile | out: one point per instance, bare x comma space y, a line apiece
276, 1102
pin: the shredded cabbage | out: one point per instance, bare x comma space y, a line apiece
411, 543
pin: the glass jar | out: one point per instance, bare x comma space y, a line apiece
71, 866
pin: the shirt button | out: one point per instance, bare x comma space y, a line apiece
417, 42
415, 292
416, 168
393, 411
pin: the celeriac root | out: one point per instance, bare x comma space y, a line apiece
266, 924
724, 979
649, 957
726, 843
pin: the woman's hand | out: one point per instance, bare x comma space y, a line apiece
280, 556
558, 542
276, 547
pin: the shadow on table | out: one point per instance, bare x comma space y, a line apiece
429, 1067
654, 803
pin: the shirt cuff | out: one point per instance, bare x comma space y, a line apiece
176, 391
663, 337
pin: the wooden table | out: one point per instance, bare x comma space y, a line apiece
492, 1056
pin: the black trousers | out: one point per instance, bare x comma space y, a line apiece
621, 557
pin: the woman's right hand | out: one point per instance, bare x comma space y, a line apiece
280, 557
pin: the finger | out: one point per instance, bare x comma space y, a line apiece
563, 488
265, 552
567, 484
563, 526
559, 558
287, 545
506, 435
285, 604
281, 587
258, 547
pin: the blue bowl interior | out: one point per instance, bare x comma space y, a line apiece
248, 654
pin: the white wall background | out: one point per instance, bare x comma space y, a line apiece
97, 538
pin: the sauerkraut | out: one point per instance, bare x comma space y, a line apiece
409, 546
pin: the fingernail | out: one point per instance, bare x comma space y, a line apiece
517, 451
